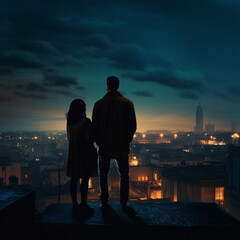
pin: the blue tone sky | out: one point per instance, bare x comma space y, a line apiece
169, 56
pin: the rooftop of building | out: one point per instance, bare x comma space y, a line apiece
143, 219
203, 172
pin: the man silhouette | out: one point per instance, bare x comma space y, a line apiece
114, 124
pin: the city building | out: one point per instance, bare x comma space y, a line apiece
10, 172
233, 180
199, 119
196, 183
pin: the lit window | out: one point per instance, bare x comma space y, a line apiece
90, 183
219, 195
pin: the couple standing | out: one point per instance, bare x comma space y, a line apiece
112, 128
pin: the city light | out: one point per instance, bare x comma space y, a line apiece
134, 161
235, 138
175, 136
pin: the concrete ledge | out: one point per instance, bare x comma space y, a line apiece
17, 209
151, 220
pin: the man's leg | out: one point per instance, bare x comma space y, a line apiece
104, 165
123, 167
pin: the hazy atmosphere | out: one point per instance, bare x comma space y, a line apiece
168, 55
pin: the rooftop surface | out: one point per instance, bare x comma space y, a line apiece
192, 220
198, 173
181, 214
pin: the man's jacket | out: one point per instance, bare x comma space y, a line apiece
114, 124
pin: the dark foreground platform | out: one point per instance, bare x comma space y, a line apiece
143, 220
17, 209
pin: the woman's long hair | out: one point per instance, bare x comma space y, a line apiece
77, 111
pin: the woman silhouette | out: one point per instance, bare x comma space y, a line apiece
82, 156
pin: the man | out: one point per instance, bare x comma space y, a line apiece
114, 124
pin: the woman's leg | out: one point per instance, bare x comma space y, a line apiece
84, 190
73, 189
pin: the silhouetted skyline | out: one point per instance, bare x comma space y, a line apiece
169, 55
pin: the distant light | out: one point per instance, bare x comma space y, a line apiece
144, 135
37, 159
235, 135
135, 135
49, 137
35, 137
161, 135
175, 135
134, 161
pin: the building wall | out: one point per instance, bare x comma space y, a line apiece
14, 169
145, 172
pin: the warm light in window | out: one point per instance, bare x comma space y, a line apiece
175, 136
144, 135
26, 176
35, 137
90, 183
161, 135
157, 194
219, 195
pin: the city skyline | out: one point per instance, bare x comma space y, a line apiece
168, 55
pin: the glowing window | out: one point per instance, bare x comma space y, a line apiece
219, 195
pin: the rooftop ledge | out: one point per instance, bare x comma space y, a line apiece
144, 220
151, 220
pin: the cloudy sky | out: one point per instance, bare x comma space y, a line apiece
169, 56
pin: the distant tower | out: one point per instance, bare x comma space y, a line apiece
199, 119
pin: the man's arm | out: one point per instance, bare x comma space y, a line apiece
132, 120
96, 125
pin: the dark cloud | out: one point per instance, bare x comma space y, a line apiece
128, 57
67, 93
99, 41
188, 95
69, 60
35, 87
6, 72
4, 99
54, 79
31, 96
233, 91
20, 60
222, 96
80, 88
167, 78
39, 47
38, 91
143, 93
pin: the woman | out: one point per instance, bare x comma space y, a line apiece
82, 157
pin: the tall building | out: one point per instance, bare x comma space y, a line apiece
199, 119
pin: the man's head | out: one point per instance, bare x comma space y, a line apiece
112, 84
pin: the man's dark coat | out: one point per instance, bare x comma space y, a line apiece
114, 124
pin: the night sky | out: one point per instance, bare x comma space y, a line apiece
169, 56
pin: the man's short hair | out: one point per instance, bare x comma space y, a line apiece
113, 83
